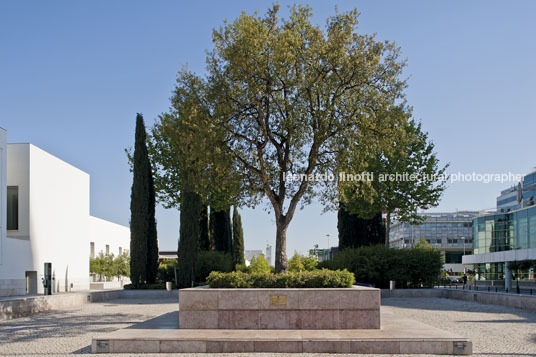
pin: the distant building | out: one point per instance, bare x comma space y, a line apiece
508, 235
248, 254
323, 254
268, 254
168, 254
450, 232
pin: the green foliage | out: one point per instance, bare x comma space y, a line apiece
355, 231
280, 97
208, 262
166, 270
238, 239
122, 265
300, 263
259, 265
377, 265
411, 154
188, 239
143, 236
222, 230
108, 266
307, 279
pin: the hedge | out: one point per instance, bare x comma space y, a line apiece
208, 261
307, 279
377, 265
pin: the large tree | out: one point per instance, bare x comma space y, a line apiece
407, 178
284, 100
143, 239
238, 239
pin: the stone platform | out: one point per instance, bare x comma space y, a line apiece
396, 336
283, 309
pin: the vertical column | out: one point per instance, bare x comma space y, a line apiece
507, 277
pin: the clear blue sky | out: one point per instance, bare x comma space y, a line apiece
73, 74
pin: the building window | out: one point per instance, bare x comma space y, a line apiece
12, 208
92, 250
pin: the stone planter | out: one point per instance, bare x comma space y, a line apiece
352, 308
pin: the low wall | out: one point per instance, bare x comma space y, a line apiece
19, 307
14, 307
513, 300
352, 308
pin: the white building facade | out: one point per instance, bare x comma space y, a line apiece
47, 220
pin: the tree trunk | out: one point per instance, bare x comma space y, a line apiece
387, 228
281, 264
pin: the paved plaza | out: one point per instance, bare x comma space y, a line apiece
494, 330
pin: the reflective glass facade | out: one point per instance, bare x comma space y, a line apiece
505, 231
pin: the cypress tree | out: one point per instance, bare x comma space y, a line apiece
204, 239
355, 231
222, 231
188, 238
152, 237
212, 228
238, 239
143, 242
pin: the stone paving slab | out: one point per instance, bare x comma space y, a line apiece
397, 335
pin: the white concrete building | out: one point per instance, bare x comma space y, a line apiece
48, 220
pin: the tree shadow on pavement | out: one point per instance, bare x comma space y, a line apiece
68, 324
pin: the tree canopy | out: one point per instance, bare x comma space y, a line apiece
283, 101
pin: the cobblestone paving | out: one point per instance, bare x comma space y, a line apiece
494, 330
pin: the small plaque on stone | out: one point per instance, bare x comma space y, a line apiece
278, 300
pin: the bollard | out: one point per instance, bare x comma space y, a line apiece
496, 289
530, 291
489, 289
507, 290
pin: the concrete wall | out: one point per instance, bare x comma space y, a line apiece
11, 308
59, 219
54, 223
103, 233
513, 300
15, 248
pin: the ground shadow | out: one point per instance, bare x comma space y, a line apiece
68, 324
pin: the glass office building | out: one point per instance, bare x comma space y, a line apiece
508, 235
450, 232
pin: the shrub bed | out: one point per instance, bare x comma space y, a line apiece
377, 265
307, 279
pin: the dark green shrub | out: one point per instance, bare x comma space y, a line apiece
166, 270
308, 279
377, 265
209, 261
